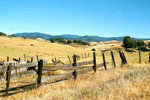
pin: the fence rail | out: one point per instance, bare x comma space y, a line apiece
74, 66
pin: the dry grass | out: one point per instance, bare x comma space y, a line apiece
17, 47
127, 83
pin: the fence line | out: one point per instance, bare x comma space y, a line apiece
39, 69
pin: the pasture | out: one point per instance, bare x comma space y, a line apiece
123, 82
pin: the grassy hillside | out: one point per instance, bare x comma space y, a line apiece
126, 83
17, 47
130, 82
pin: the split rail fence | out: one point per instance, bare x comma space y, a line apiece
75, 67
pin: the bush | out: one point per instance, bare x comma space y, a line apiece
140, 43
129, 43
143, 48
81, 42
13, 35
2, 34
149, 44
64, 41
75, 41
85, 43
69, 41
52, 40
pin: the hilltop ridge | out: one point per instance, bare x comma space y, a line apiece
86, 38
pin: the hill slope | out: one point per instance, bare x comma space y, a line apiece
17, 47
72, 37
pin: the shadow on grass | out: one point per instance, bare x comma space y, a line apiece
25, 88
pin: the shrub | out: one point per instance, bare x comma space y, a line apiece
13, 35
129, 43
69, 41
2, 34
140, 43
52, 40
64, 41
143, 48
149, 44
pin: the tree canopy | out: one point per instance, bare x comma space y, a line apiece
2, 34
128, 42
66, 41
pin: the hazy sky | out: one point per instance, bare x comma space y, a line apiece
82, 17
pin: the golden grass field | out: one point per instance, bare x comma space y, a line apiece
129, 82
125, 83
17, 47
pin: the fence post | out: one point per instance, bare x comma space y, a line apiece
40, 66
7, 59
121, 56
37, 57
149, 57
19, 59
69, 59
82, 56
124, 57
139, 56
55, 59
74, 65
31, 59
31, 68
104, 62
24, 57
94, 60
78, 57
8, 73
113, 59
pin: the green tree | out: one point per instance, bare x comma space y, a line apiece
2, 34
134, 44
52, 40
75, 41
128, 42
149, 43
69, 41
140, 43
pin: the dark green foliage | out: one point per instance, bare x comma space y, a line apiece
143, 48
52, 40
81, 42
149, 44
69, 41
59, 40
140, 43
85, 43
65, 41
12, 35
75, 41
2, 34
129, 43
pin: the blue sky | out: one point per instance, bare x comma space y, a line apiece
105, 18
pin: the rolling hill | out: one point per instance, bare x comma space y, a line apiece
73, 37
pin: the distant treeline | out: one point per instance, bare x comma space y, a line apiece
128, 42
2, 34
67, 41
58, 40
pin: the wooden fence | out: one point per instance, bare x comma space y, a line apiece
76, 67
